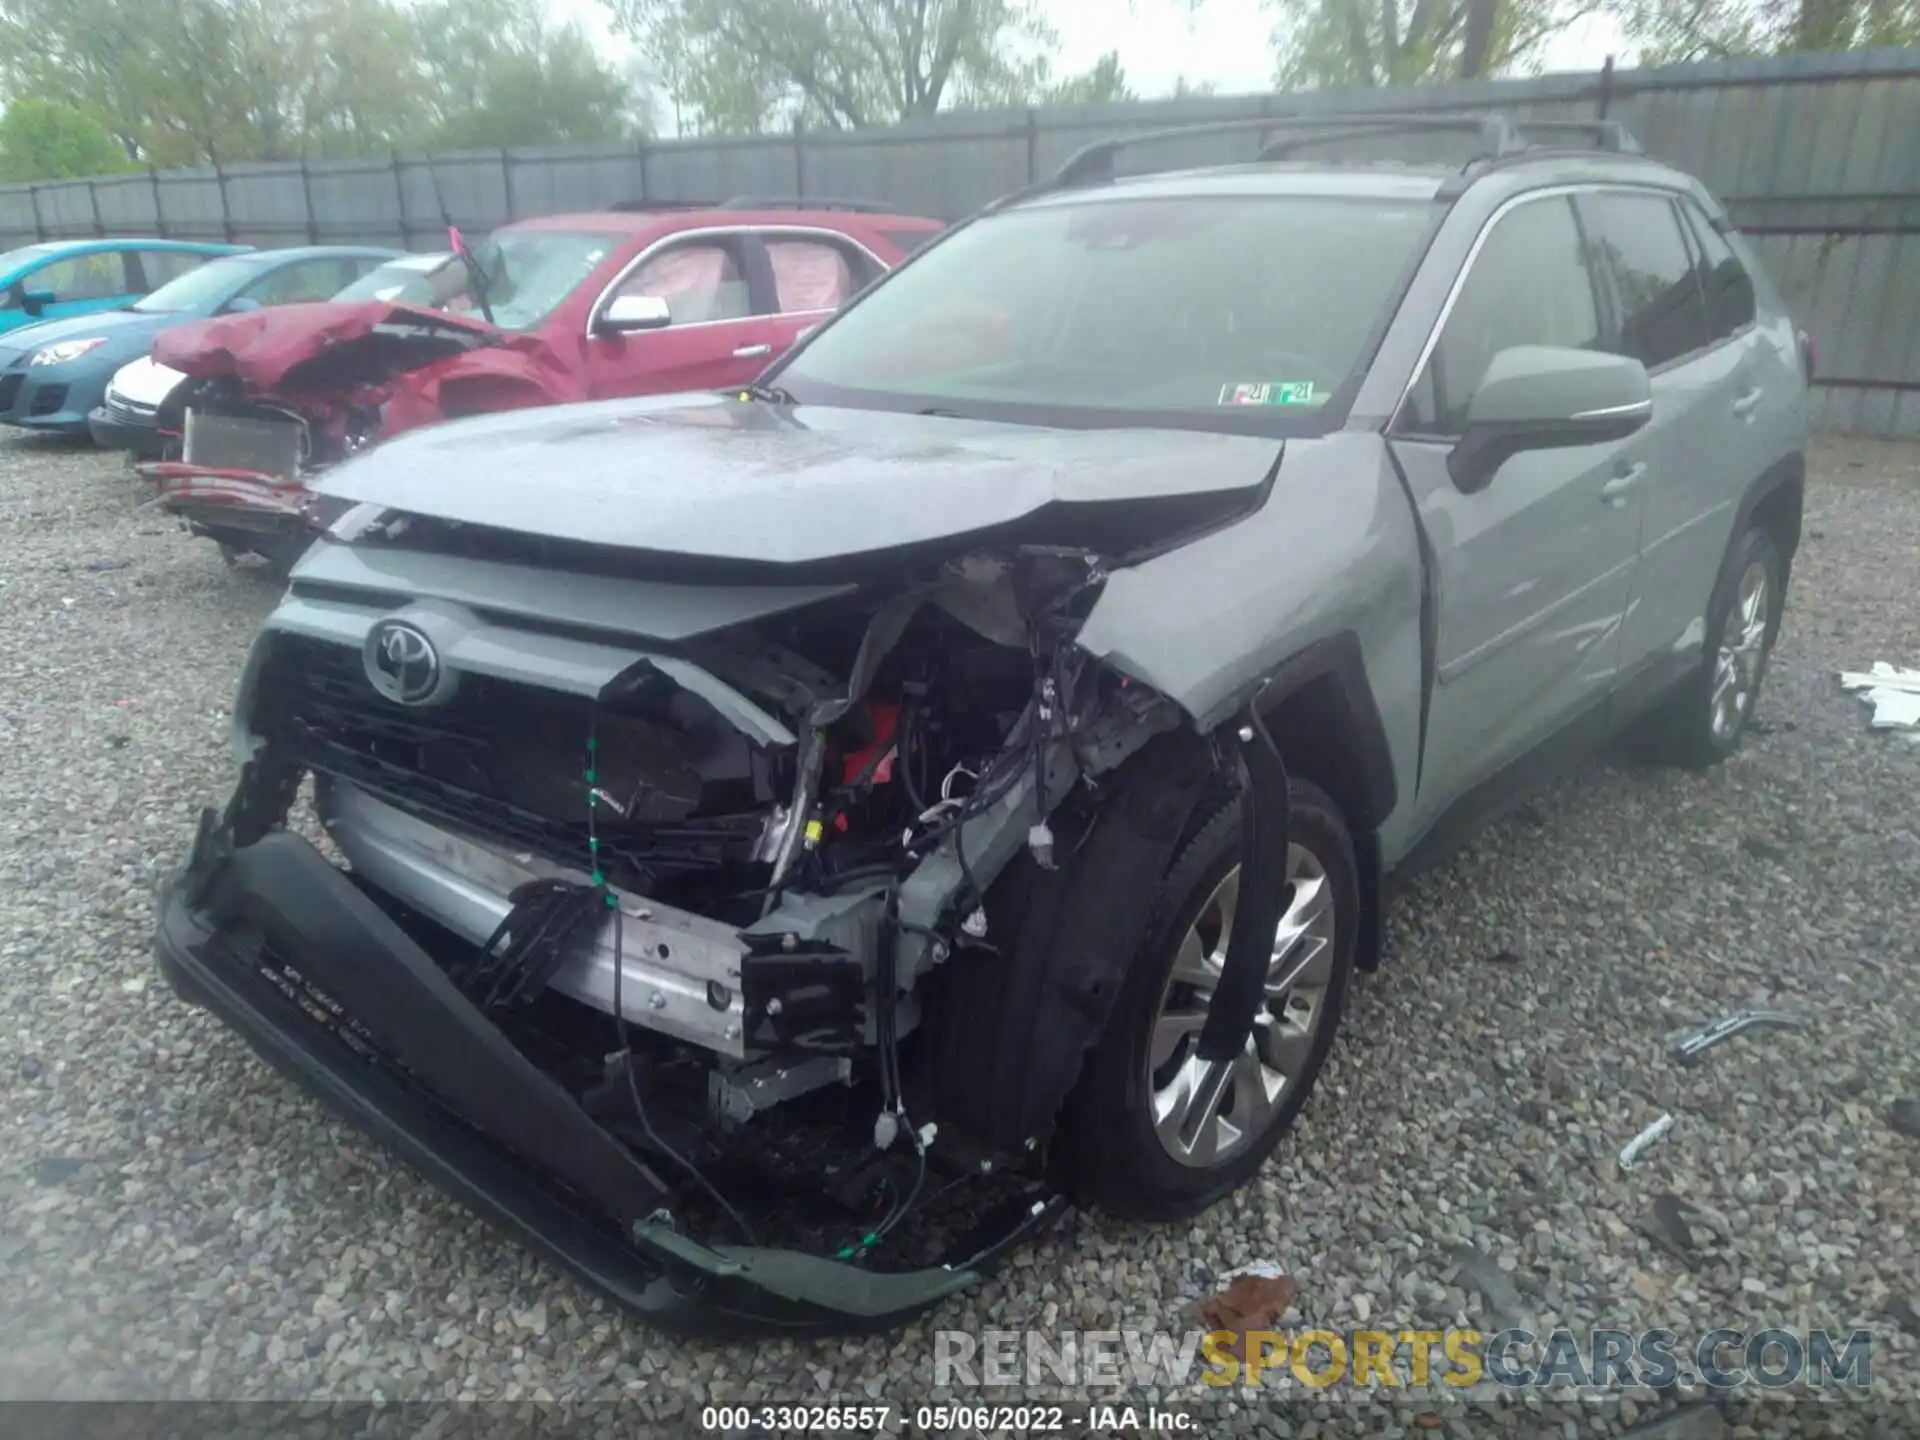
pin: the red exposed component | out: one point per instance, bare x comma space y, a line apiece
886, 721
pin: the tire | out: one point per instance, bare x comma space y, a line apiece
1108, 1150
1706, 717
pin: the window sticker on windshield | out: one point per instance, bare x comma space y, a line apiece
1271, 392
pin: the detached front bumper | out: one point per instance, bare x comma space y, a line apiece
413, 1064
246, 496
244, 509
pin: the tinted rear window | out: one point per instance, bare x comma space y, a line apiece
1723, 279
1662, 312
1192, 305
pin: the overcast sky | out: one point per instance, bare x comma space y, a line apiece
1228, 43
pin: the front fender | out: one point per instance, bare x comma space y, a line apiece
1266, 602
520, 376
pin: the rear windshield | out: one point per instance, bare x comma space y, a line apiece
1189, 307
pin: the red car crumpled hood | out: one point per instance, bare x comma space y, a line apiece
412, 360
367, 341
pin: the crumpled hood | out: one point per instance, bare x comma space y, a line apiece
728, 479
301, 345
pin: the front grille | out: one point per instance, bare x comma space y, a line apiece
451, 761
10, 389
130, 412
48, 400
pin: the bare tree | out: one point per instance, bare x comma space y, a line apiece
1404, 42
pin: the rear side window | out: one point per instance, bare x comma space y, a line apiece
1663, 314
1723, 279
162, 267
304, 280
1529, 285
810, 275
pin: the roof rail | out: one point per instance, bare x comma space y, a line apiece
807, 202
1500, 136
1608, 135
641, 207
1495, 131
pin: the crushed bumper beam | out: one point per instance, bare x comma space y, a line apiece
483, 1122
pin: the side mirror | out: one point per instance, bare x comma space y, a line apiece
241, 304
35, 302
1543, 397
627, 314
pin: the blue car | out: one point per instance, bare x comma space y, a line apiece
53, 373
79, 277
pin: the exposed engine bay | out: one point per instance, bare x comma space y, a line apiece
718, 899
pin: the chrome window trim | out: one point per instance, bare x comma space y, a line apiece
1632, 407
715, 232
1427, 347
1563, 191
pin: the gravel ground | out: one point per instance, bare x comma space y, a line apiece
180, 1222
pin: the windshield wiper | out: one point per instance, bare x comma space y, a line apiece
768, 394
477, 274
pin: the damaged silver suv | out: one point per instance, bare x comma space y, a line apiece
788, 843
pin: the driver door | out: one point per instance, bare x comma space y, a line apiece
714, 339
1534, 572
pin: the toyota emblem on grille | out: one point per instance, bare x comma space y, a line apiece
402, 663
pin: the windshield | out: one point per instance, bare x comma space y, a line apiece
386, 282
207, 284
11, 260
529, 272
1185, 305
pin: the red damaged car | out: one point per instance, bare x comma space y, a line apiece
629, 301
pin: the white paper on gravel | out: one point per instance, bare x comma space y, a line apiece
1894, 695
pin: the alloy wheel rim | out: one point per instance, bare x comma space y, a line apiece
1205, 1113
1743, 648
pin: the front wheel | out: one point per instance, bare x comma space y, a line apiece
1152, 1131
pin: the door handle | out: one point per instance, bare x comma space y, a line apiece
1749, 402
1616, 490
752, 352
